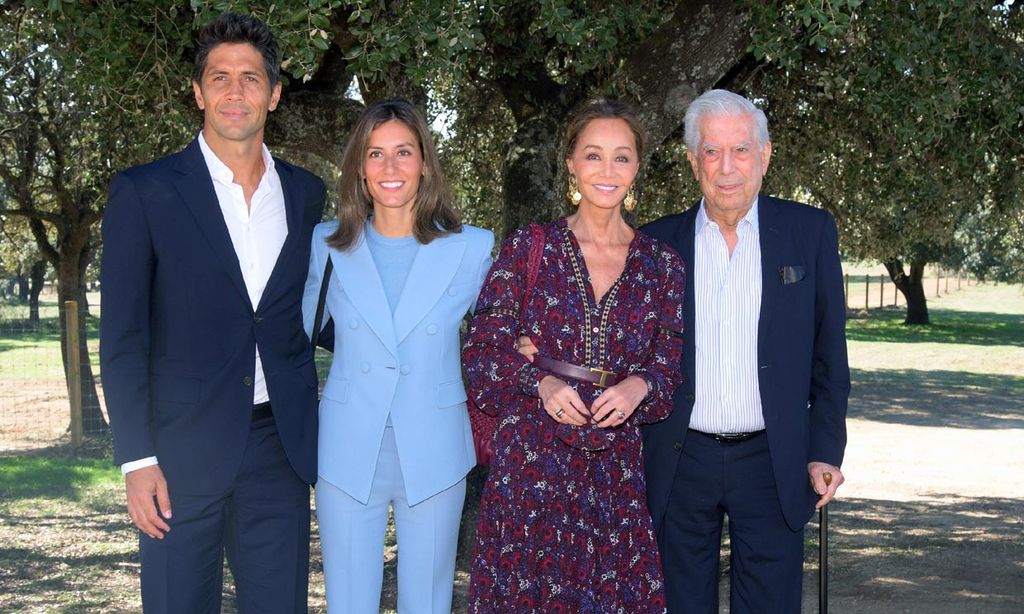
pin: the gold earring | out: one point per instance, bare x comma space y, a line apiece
573, 192
630, 201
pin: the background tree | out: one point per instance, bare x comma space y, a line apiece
904, 120
21, 262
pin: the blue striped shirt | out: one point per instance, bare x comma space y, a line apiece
727, 298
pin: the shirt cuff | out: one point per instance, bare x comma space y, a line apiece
149, 461
529, 379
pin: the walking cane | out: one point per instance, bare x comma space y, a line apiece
823, 552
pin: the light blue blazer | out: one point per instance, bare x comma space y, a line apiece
406, 364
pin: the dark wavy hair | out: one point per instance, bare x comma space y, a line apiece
603, 108
434, 209
235, 28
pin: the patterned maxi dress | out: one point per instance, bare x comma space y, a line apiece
563, 523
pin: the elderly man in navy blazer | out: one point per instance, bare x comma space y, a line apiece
207, 372
761, 415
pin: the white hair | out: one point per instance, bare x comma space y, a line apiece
722, 102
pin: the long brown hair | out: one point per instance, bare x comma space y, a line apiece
435, 212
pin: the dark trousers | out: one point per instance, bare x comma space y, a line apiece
713, 480
263, 526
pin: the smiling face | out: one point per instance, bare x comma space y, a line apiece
729, 164
235, 94
605, 162
393, 165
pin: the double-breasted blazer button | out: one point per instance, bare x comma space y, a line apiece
365, 367
405, 369
353, 324
431, 329
452, 291
247, 380
677, 446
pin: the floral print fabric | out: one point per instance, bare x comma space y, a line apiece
563, 523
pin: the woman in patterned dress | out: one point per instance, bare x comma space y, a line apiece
563, 524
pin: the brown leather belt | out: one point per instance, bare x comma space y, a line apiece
597, 377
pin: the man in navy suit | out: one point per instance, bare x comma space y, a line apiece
208, 375
760, 418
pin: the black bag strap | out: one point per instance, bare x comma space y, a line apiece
320, 302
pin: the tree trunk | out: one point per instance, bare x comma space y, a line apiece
912, 288
37, 277
71, 287
530, 171
23, 286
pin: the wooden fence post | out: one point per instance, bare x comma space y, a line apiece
74, 375
846, 291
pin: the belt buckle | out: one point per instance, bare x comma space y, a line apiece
603, 382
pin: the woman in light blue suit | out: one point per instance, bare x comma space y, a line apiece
393, 423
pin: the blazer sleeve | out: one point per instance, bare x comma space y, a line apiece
318, 253
486, 246
126, 280
830, 368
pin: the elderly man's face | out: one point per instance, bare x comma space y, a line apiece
729, 164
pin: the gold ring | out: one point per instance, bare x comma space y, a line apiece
558, 414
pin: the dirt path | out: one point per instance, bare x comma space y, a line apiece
931, 518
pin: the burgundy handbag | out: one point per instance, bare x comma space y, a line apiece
483, 424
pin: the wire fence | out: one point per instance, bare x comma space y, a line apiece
35, 404
866, 291
36, 409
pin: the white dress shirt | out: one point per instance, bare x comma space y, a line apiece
727, 300
257, 231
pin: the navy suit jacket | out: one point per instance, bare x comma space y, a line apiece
804, 376
178, 334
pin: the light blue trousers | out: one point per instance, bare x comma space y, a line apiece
352, 538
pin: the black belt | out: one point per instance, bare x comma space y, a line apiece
262, 411
729, 437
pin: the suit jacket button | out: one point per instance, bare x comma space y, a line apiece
365, 367
247, 380
431, 329
453, 291
677, 446
353, 324
405, 369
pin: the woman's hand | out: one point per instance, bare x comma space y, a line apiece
525, 346
617, 403
561, 402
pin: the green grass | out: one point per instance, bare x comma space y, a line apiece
61, 478
947, 326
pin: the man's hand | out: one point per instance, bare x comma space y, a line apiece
526, 347
141, 486
561, 402
816, 471
617, 403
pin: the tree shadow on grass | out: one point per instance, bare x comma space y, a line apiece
32, 579
947, 326
955, 555
938, 398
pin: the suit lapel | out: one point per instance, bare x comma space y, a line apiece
196, 190
432, 270
294, 212
772, 249
356, 272
684, 245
